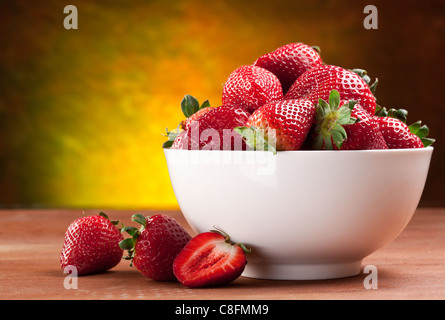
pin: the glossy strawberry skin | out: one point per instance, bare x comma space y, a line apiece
363, 135
251, 87
208, 260
318, 82
291, 120
289, 62
91, 244
157, 246
201, 112
212, 130
397, 134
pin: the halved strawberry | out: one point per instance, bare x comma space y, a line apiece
287, 122
290, 61
251, 87
209, 259
153, 248
318, 82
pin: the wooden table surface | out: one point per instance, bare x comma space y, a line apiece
411, 267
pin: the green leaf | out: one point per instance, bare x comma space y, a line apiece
373, 87
427, 141
171, 136
139, 218
189, 105
130, 230
318, 142
360, 72
414, 128
328, 143
337, 138
127, 244
103, 214
205, 104
423, 131
255, 138
334, 100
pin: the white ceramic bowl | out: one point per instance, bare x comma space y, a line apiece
304, 214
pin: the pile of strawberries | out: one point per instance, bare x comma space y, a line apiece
161, 249
294, 101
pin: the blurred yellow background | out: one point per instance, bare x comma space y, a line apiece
82, 112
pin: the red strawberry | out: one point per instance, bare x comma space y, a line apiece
289, 62
251, 87
209, 259
154, 247
398, 135
318, 82
214, 130
288, 122
192, 111
345, 125
198, 114
91, 244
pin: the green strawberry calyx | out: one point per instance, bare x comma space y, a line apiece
257, 139
422, 131
227, 240
129, 243
113, 222
329, 122
189, 106
364, 75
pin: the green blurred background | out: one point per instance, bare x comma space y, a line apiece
82, 112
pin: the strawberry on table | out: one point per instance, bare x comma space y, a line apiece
288, 122
289, 62
318, 82
153, 248
251, 87
91, 244
210, 259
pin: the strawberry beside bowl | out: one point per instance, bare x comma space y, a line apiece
304, 214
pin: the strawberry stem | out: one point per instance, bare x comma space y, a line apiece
227, 239
329, 122
256, 139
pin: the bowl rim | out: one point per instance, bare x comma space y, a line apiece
426, 149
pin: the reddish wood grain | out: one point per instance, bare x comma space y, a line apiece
411, 267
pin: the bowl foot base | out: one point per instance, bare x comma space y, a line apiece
316, 271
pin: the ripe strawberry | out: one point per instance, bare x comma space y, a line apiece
345, 125
209, 259
287, 122
91, 244
154, 247
198, 114
398, 135
192, 111
251, 87
289, 62
214, 130
318, 82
